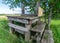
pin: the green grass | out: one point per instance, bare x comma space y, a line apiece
10, 14
6, 37
55, 27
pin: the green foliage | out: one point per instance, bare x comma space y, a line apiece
45, 4
55, 27
55, 4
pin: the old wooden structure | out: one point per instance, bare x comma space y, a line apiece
30, 26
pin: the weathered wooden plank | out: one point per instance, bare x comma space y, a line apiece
39, 28
27, 34
18, 28
48, 37
19, 31
24, 17
35, 20
38, 39
23, 20
19, 20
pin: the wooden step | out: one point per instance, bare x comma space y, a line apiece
39, 28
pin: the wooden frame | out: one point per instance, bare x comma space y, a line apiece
28, 21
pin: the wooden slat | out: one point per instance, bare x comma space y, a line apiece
38, 28
47, 36
24, 17
19, 20
18, 28
22, 20
35, 20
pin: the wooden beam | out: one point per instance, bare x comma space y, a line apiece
18, 28
27, 34
35, 20
19, 20
39, 27
23, 21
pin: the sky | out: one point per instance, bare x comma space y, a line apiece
4, 9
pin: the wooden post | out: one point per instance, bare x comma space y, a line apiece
10, 27
12, 31
38, 38
27, 34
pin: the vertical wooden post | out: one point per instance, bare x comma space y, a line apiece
11, 29
27, 34
36, 9
38, 38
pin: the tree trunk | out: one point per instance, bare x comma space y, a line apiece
23, 9
36, 8
49, 18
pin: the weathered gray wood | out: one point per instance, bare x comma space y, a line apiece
27, 34
39, 27
19, 31
19, 20
10, 29
38, 39
48, 37
35, 20
23, 20
18, 28
23, 17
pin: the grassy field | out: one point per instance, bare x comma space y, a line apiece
6, 37
10, 14
55, 27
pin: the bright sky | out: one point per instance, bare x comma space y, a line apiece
4, 9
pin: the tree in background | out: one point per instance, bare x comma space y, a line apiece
32, 4
16, 3
50, 7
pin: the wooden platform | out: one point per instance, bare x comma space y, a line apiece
23, 19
